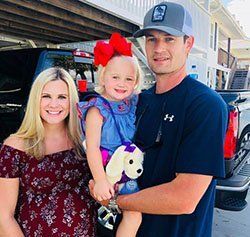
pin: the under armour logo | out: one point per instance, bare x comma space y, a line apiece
169, 117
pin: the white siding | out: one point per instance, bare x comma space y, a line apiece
134, 11
201, 65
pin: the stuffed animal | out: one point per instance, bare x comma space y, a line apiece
124, 167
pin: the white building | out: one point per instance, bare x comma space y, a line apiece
215, 31
224, 31
241, 50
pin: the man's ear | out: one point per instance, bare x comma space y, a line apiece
189, 44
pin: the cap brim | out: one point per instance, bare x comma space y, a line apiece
165, 29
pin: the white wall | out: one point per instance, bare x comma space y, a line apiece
243, 64
212, 62
135, 10
212, 54
201, 27
201, 65
201, 22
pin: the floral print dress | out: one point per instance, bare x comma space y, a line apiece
53, 196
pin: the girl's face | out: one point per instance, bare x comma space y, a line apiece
119, 78
54, 105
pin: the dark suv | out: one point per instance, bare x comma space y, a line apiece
18, 68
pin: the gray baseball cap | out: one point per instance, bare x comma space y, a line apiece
168, 17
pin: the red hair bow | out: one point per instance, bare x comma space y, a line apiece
103, 51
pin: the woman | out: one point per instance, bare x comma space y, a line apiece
43, 162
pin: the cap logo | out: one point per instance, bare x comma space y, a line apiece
159, 13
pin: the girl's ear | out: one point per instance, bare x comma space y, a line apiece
101, 72
136, 84
137, 87
101, 81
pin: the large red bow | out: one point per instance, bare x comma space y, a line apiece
103, 51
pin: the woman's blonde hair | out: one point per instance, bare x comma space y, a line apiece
101, 72
32, 129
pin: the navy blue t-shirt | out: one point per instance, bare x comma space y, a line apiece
182, 131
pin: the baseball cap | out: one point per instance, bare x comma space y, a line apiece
168, 17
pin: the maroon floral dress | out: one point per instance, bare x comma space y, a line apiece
53, 196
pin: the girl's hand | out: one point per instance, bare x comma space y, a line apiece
91, 190
103, 190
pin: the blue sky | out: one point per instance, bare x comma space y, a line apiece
226, 2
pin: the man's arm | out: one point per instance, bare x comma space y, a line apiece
180, 196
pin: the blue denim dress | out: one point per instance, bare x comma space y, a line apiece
118, 128
124, 112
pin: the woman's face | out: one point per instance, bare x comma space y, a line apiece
54, 106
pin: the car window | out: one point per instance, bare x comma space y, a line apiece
78, 67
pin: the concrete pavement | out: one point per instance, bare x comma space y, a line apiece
232, 224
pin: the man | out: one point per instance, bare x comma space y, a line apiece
181, 125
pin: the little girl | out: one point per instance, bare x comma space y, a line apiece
102, 117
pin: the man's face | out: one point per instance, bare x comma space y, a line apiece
166, 54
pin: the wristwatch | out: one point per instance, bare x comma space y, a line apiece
113, 206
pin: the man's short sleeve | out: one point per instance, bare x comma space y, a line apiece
201, 147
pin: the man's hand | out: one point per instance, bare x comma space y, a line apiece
91, 189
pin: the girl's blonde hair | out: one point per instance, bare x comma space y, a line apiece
32, 129
101, 72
